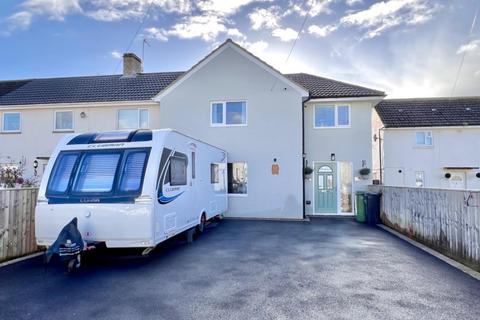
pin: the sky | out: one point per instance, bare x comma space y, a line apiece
407, 48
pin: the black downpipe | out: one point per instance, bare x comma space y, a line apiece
303, 157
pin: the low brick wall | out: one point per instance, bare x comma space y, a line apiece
445, 220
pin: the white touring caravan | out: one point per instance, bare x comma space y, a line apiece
131, 188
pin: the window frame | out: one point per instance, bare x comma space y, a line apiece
424, 145
20, 122
185, 161
335, 114
214, 173
138, 118
224, 113
71, 196
55, 121
237, 194
422, 173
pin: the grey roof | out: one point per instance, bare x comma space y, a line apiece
90, 89
9, 86
142, 87
320, 87
429, 112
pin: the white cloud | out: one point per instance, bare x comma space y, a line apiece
204, 27
236, 34
384, 15
113, 10
224, 7
257, 48
116, 54
321, 31
20, 20
353, 2
52, 9
264, 18
286, 35
157, 33
472, 46
314, 7
477, 73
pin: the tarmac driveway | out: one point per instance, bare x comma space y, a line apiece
323, 269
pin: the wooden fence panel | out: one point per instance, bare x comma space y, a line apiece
445, 220
17, 222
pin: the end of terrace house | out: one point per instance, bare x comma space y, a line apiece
298, 144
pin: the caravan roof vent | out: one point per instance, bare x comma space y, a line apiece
113, 136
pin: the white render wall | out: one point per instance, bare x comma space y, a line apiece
352, 144
38, 139
452, 147
274, 130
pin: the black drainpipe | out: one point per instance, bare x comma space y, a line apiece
303, 155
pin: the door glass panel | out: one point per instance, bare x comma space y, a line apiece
321, 185
346, 174
329, 181
325, 169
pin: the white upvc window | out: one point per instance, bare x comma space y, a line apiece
419, 179
228, 113
11, 122
424, 138
133, 119
63, 121
331, 116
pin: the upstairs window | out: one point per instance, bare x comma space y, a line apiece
424, 138
228, 113
133, 119
334, 116
63, 121
11, 122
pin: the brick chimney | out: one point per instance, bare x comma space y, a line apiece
132, 65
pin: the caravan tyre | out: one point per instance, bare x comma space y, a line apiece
201, 227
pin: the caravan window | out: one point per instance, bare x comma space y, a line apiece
104, 175
132, 172
62, 171
178, 171
97, 172
214, 174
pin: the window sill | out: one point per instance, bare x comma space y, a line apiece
63, 131
422, 147
227, 125
11, 132
336, 127
238, 195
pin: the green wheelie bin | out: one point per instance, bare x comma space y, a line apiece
360, 208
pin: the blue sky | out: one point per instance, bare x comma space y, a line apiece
408, 48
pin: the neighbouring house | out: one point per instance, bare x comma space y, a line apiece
429, 142
272, 125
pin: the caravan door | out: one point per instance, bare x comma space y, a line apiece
193, 189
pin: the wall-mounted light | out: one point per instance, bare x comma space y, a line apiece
448, 175
83, 115
332, 156
35, 164
477, 175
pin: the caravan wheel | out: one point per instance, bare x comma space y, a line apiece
201, 227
